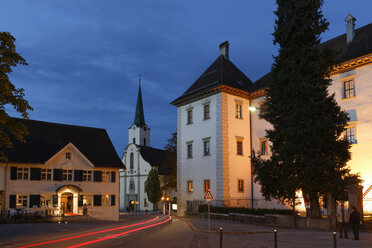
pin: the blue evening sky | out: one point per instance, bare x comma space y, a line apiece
85, 56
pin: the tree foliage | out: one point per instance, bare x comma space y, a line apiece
10, 95
169, 166
152, 186
309, 152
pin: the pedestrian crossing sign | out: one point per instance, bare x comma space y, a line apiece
208, 196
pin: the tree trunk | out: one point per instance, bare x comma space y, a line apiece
314, 210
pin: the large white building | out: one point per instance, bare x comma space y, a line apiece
139, 158
61, 169
217, 132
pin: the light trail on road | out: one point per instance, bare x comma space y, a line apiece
120, 234
87, 234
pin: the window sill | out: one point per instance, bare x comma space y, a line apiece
205, 119
239, 118
189, 123
348, 98
240, 155
189, 158
206, 155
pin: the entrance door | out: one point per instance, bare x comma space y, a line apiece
67, 202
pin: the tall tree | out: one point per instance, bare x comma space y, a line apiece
10, 95
309, 152
152, 186
169, 166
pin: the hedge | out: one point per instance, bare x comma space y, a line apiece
254, 211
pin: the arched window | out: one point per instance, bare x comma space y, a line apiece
144, 142
134, 140
131, 160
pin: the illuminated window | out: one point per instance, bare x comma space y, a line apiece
349, 88
106, 175
207, 114
239, 147
22, 201
207, 185
22, 173
46, 200
351, 135
106, 200
146, 203
88, 200
189, 116
68, 155
262, 110
189, 150
190, 186
238, 112
46, 174
87, 176
67, 175
206, 146
263, 147
240, 185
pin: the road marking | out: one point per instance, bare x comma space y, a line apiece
120, 234
87, 234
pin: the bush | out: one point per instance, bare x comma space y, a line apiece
254, 211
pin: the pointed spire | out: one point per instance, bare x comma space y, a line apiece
139, 118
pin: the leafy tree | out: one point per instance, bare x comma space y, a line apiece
309, 152
152, 186
168, 168
10, 95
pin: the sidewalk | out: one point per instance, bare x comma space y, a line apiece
238, 234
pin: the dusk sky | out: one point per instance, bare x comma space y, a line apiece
85, 56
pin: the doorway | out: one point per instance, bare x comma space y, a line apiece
67, 202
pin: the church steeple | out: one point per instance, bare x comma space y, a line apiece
139, 118
139, 132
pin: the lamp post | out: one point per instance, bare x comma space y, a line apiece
251, 109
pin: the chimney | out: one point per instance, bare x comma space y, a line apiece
350, 28
224, 49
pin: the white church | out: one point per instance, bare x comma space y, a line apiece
217, 132
139, 157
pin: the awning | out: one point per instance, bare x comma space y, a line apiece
69, 187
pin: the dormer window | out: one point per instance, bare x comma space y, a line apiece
68, 155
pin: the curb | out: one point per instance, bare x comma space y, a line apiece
192, 227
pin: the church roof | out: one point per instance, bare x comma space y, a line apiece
45, 139
154, 156
221, 72
361, 45
139, 118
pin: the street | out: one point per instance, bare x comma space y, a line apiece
159, 231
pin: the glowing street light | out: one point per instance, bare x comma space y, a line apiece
252, 108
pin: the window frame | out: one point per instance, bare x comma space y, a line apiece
22, 201
207, 182
189, 116
207, 111
24, 172
189, 150
239, 144
190, 189
351, 126
263, 141
86, 175
67, 175
206, 152
238, 110
348, 88
240, 185
46, 174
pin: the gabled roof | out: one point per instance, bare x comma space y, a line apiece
45, 139
154, 156
221, 72
361, 45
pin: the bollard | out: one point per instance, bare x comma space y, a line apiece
220, 237
334, 240
275, 239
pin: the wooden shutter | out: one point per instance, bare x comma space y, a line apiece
12, 201
113, 200
97, 176
13, 173
57, 174
80, 201
97, 200
34, 200
35, 174
78, 175
113, 176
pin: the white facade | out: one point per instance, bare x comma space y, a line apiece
55, 194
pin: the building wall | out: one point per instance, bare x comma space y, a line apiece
199, 167
139, 177
77, 162
361, 105
139, 133
238, 165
